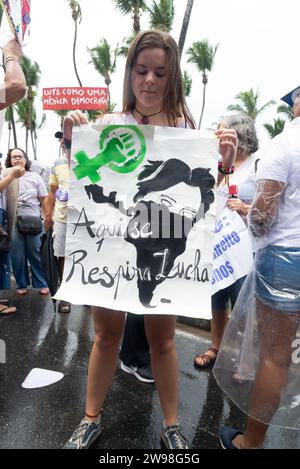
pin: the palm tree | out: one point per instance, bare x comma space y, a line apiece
124, 48
249, 104
187, 83
104, 61
202, 54
10, 119
25, 117
276, 128
77, 17
135, 7
162, 14
185, 25
287, 111
28, 119
32, 73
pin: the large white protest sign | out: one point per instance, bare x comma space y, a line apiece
233, 250
141, 220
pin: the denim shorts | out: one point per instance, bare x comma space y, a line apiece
278, 277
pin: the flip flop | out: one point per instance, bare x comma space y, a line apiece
7, 310
44, 291
22, 291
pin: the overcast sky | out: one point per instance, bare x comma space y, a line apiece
258, 40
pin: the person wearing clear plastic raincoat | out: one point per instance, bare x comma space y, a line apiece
262, 339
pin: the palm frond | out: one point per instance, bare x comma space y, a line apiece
162, 14
202, 54
187, 83
249, 103
287, 111
276, 128
31, 71
130, 6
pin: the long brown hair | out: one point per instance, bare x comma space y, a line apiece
174, 104
8, 163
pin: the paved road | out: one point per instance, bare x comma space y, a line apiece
45, 417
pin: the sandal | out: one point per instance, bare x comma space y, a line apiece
22, 291
44, 291
237, 378
207, 359
64, 307
7, 310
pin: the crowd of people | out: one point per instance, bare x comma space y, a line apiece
253, 351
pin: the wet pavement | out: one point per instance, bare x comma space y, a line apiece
36, 337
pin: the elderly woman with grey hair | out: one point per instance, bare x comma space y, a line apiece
243, 181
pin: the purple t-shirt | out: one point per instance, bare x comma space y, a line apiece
31, 187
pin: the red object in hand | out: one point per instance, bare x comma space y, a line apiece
233, 190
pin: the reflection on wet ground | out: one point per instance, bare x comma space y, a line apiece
36, 337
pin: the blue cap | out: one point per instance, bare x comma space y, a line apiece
291, 96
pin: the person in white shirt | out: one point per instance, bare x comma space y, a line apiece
267, 339
244, 181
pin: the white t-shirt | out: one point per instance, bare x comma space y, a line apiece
31, 188
282, 163
125, 118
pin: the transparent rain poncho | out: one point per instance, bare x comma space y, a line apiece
258, 364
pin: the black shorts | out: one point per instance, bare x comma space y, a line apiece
221, 299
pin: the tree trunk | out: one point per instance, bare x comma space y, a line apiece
203, 105
26, 141
108, 92
185, 25
9, 134
30, 107
13, 125
33, 145
136, 21
74, 54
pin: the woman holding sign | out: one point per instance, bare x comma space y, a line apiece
153, 94
238, 196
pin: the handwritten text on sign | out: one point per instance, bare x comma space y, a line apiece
141, 220
75, 98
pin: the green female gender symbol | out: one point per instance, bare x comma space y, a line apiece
122, 149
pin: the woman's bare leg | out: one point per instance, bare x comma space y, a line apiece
160, 331
277, 330
109, 327
218, 325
